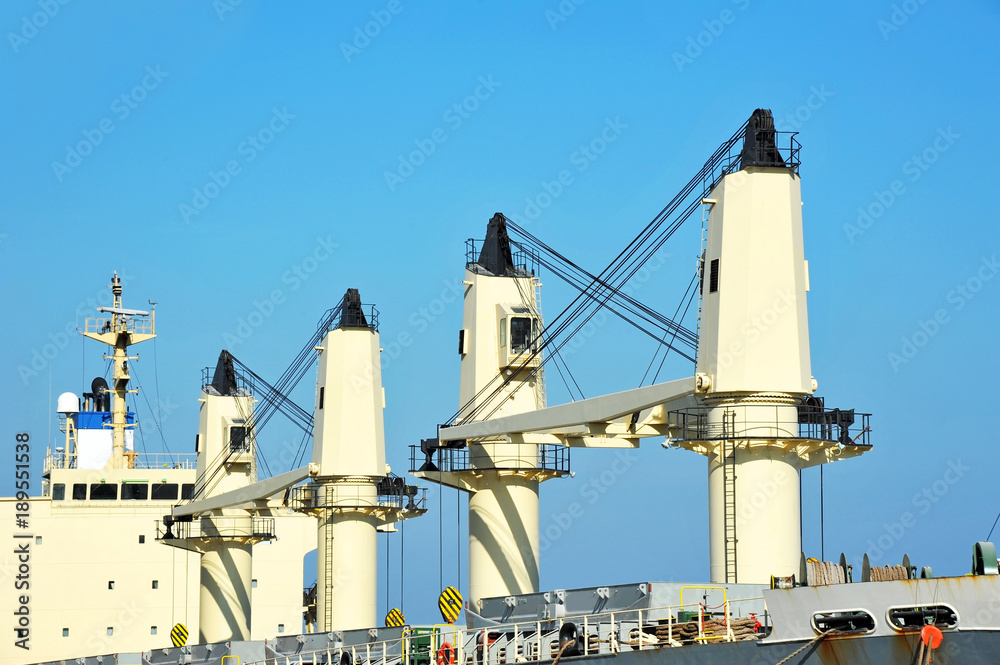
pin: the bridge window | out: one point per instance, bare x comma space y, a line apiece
58, 491
164, 491
187, 491
79, 492
103, 491
135, 491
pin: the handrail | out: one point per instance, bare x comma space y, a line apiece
513, 636
147, 461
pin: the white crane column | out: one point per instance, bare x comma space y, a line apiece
225, 463
224, 597
348, 460
223, 536
501, 322
346, 584
753, 364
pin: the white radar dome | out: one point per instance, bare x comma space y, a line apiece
68, 403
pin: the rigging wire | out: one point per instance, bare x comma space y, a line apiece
440, 538
993, 527
156, 382
301, 451
275, 399
573, 274
657, 350
683, 315
555, 363
536, 310
624, 266
387, 606
138, 426
152, 412
402, 558
458, 535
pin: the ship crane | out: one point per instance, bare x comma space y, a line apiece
749, 407
352, 492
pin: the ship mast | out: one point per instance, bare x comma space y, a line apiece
124, 328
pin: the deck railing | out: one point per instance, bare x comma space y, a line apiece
604, 633
63, 460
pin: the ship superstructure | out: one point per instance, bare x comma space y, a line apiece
101, 581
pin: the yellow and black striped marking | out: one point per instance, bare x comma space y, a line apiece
450, 604
179, 635
394, 619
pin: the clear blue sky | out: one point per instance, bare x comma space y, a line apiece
217, 158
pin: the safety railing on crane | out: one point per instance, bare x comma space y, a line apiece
501, 456
843, 426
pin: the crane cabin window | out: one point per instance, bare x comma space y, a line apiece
238, 441
520, 334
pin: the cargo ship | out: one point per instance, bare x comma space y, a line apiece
197, 560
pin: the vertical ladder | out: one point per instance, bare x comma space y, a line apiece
540, 375
705, 209
729, 495
328, 572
